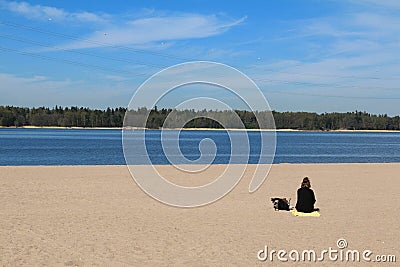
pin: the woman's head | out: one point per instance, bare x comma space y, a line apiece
306, 182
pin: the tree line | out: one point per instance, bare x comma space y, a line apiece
11, 116
62, 117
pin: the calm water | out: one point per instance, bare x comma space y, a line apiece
98, 147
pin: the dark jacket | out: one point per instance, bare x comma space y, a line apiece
305, 200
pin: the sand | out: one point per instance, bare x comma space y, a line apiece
97, 215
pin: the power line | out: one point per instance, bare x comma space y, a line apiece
323, 74
160, 66
77, 63
333, 96
11, 37
71, 62
143, 74
334, 85
165, 55
101, 44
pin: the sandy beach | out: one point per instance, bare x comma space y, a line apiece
97, 215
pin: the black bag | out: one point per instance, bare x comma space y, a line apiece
280, 203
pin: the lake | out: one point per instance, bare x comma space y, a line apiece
104, 147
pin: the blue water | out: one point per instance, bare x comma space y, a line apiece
104, 147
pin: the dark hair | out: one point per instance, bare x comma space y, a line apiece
306, 182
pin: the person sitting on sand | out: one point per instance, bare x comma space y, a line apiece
305, 197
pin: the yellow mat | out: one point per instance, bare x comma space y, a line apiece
311, 214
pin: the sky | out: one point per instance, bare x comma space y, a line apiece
314, 56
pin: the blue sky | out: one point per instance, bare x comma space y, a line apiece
319, 56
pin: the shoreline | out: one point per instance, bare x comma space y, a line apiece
202, 129
215, 165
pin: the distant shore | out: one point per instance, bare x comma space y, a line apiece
200, 129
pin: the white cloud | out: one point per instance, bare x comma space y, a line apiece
353, 56
151, 28
157, 29
116, 78
378, 25
11, 83
384, 4
30, 91
357, 43
45, 91
44, 13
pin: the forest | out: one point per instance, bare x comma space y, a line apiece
11, 116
